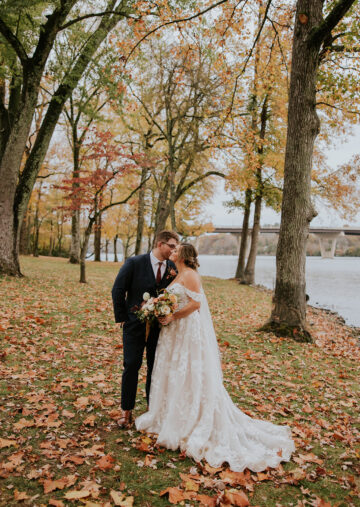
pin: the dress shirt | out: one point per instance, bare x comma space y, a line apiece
155, 264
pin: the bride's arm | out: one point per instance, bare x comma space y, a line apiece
192, 283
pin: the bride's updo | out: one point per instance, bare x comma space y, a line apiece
188, 254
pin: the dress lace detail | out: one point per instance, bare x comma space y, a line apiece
190, 408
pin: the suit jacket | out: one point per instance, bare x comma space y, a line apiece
135, 277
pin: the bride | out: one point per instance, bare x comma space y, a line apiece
189, 407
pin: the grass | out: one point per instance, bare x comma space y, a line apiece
60, 389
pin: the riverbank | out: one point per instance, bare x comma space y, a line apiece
330, 283
60, 380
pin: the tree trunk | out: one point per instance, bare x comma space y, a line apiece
141, 213
14, 195
25, 235
249, 274
106, 249
162, 209
83, 252
13, 151
75, 238
289, 312
97, 239
115, 249
51, 242
244, 236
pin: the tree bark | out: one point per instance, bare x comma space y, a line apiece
25, 235
75, 216
244, 236
249, 274
115, 249
140, 213
83, 251
97, 239
289, 311
106, 249
75, 238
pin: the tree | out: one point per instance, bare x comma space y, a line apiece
312, 35
23, 92
99, 186
32, 29
177, 102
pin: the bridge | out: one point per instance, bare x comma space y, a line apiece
324, 234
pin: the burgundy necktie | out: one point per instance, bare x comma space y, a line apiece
158, 274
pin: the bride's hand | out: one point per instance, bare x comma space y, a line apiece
166, 320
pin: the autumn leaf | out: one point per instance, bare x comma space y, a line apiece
82, 402
90, 420
206, 501
7, 443
20, 495
68, 414
23, 423
106, 462
77, 495
50, 485
237, 498
56, 503
176, 495
120, 499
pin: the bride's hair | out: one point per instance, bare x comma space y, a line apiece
188, 254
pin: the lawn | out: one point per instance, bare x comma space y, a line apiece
61, 364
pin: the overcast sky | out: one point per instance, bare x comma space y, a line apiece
219, 215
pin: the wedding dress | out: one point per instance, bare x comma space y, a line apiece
190, 408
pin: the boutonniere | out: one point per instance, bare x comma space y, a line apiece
172, 273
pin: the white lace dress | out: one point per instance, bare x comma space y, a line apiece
190, 408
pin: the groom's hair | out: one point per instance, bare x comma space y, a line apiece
164, 236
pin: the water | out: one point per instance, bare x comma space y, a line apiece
330, 283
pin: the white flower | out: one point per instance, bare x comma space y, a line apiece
165, 310
146, 296
151, 307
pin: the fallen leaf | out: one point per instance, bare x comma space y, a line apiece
90, 420
237, 498
6, 443
106, 462
76, 495
20, 495
56, 503
176, 495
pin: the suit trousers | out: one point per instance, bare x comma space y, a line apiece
134, 345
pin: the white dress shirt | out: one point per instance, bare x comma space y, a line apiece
155, 265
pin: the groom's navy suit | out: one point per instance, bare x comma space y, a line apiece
135, 277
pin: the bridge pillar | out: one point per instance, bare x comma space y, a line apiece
324, 239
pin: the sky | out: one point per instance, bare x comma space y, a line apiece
216, 212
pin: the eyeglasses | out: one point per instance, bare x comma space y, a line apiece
170, 245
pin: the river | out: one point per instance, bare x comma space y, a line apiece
330, 283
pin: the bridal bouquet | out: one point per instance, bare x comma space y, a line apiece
153, 307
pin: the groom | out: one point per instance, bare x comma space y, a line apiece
150, 273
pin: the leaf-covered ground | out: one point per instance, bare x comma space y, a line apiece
61, 360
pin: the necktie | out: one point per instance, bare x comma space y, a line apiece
158, 274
